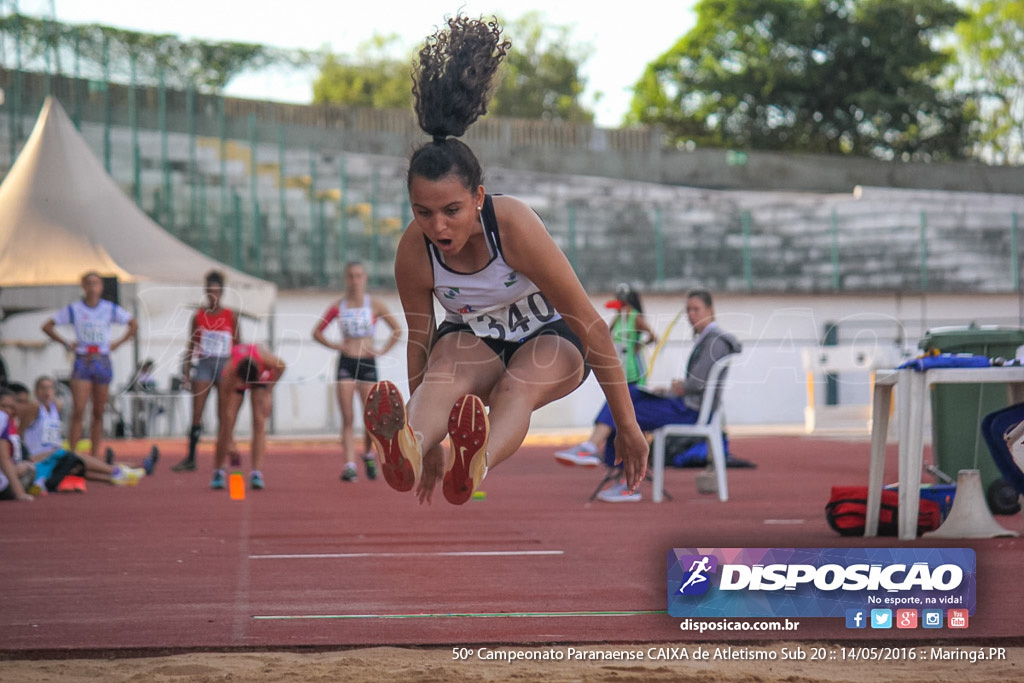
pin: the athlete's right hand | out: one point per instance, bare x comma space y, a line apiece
632, 449
433, 472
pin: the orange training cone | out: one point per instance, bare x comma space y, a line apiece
236, 482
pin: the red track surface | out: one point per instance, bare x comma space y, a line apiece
171, 565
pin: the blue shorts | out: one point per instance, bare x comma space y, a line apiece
44, 468
359, 369
93, 367
209, 369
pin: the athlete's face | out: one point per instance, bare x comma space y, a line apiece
355, 280
445, 210
92, 286
45, 391
8, 405
213, 294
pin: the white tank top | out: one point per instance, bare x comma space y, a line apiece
495, 301
356, 322
92, 325
44, 434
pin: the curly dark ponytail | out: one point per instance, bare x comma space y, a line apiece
452, 85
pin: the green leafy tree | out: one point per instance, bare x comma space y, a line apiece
541, 78
207, 66
991, 67
827, 76
372, 78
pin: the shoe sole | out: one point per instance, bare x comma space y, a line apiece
184, 467
468, 429
384, 418
571, 461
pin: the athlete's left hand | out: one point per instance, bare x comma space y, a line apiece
632, 449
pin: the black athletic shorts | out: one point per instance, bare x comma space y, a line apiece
506, 349
359, 369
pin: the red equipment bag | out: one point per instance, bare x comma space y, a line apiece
847, 507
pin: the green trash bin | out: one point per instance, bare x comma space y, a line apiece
957, 409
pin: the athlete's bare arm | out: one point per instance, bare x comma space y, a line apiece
415, 289
529, 249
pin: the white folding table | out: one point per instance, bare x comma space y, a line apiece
913, 393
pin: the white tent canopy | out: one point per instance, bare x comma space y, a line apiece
61, 215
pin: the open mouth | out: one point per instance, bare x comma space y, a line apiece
444, 243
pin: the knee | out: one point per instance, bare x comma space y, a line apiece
443, 365
508, 390
503, 388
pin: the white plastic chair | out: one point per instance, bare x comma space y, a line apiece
708, 426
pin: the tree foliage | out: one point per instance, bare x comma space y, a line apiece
372, 78
991, 68
542, 74
207, 66
828, 76
539, 79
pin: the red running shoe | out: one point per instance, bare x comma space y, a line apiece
384, 417
468, 430
72, 483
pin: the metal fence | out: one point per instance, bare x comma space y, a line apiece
276, 190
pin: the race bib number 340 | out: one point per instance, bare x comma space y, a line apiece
514, 322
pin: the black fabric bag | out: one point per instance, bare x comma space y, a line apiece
69, 463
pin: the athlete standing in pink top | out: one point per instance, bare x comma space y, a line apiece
254, 369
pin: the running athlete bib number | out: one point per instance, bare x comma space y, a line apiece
93, 333
356, 323
51, 434
513, 322
215, 344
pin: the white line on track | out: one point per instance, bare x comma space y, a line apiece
467, 553
449, 615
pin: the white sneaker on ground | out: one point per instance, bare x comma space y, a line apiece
127, 476
582, 455
618, 494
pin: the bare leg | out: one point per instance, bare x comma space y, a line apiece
95, 468
261, 406
100, 392
346, 396
459, 364
543, 370
200, 392
600, 435
223, 405
226, 428
81, 390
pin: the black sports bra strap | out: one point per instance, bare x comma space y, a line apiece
490, 221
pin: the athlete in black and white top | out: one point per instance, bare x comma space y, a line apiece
519, 330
